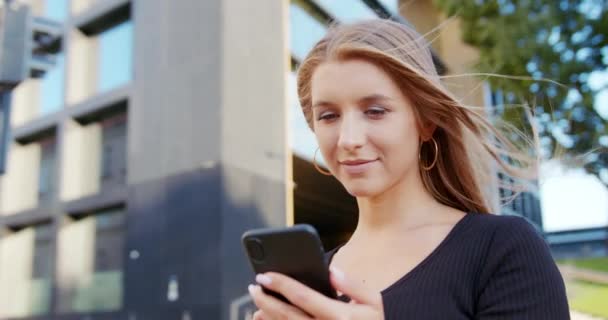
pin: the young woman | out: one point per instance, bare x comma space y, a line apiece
421, 166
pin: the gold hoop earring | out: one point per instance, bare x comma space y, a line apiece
314, 162
434, 160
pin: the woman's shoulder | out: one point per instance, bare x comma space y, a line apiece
513, 242
518, 274
503, 239
498, 219
501, 225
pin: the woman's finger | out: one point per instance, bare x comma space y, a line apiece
354, 290
300, 295
273, 308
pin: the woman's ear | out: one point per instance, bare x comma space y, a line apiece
427, 131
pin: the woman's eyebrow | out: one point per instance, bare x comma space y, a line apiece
369, 98
374, 97
321, 104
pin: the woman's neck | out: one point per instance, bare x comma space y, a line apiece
403, 206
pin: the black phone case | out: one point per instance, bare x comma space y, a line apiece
294, 251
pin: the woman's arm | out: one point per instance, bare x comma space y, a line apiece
520, 279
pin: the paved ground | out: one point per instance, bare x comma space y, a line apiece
575, 315
571, 272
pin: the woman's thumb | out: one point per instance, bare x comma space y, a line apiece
355, 291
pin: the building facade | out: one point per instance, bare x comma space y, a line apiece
579, 243
164, 131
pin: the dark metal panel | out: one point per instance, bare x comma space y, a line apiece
102, 105
36, 129
173, 224
144, 246
193, 228
29, 217
106, 199
248, 201
103, 15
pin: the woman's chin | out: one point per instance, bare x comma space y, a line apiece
361, 191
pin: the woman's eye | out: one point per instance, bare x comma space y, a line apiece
326, 116
372, 112
376, 112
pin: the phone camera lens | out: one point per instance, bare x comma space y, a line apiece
256, 251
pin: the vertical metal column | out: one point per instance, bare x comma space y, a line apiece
5, 125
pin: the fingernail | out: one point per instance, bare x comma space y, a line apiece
250, 289
263, 279
337, 273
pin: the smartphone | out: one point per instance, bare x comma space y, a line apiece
294, 251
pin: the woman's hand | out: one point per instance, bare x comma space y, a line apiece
309, 304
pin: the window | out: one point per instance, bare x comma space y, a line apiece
93, 272
109, 242
52, 87
102, 49
56, 9
113, 165
302, 141
46, 177
347, 11
115, 56
80, 6
26, 273
392, 6
42, 271
305, 31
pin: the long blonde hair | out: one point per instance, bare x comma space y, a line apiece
472, 151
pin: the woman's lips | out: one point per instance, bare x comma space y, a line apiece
357, 168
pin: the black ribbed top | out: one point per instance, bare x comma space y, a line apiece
487, 267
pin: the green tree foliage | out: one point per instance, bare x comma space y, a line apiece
565, 41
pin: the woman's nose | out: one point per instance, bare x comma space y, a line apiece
352, 133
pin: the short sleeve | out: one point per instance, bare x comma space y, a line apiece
519, 279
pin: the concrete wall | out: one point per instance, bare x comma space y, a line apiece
208, 154
82, 159
16, 256
19, 185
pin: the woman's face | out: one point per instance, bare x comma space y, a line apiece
364, 125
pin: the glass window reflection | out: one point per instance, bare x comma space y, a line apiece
305, 31
347, 11
47, 174
52, 87
391, 5
115, 56
56, 9
302, 141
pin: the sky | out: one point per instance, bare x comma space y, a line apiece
571, 199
